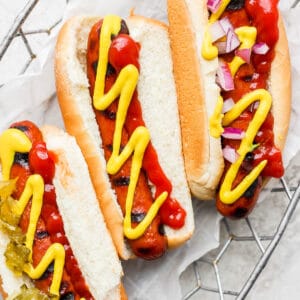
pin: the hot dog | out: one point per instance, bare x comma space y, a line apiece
117, 95
53, 243
240, 64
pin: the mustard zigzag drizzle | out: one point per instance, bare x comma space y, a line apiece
227, 195
124, 87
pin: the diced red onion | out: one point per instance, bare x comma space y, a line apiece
216, 31
227, 105
230, 154
226, 24
254, 106
260, 48
259, 133
244, 54
221, 28
233, 133
221, 47
232, 40
213, 5
224, 78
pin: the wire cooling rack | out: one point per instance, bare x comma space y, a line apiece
209, 279
31, 22
207, 271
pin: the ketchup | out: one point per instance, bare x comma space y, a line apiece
124, 51
264, 14
171, 213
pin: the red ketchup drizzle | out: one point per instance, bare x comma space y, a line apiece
262, 14
124, 51
171, 213
50, 224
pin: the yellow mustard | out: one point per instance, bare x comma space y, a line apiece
215, 121
11, 141
34, 189
56, 253
247, 37
111, 25
215, 16
227, 195
124, 87
209, 51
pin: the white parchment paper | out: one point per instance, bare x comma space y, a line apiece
32, 96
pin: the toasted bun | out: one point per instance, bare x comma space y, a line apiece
198, 92
83, 223
280, 87
156, 84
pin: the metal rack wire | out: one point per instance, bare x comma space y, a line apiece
16, 31
213, 259
293, 195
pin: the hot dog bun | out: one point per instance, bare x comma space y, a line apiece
197, 95
281, 93
157, 95
83, 224
204, 164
